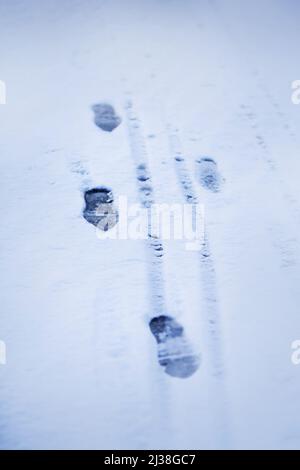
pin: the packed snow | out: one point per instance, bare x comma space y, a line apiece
145, 344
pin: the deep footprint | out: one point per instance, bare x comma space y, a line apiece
208, 174
174, 352
99, 208
106, 117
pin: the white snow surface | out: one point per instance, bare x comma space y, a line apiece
82, 369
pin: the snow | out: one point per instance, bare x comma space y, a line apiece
82, 369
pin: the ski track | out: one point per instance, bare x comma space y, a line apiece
265, 152
279, 241
288, 256
146, 195
174, 351
206, 258
209, 287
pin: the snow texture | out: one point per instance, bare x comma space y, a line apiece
142, 344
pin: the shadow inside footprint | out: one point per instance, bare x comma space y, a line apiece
106, 117
99, 208
175, 354
208, 174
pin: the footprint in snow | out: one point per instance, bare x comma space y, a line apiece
175, 353
99, 208
105, 117
208, 174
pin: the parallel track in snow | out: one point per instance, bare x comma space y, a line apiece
208, 285
175, 352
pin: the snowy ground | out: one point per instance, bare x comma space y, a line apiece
82, 369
